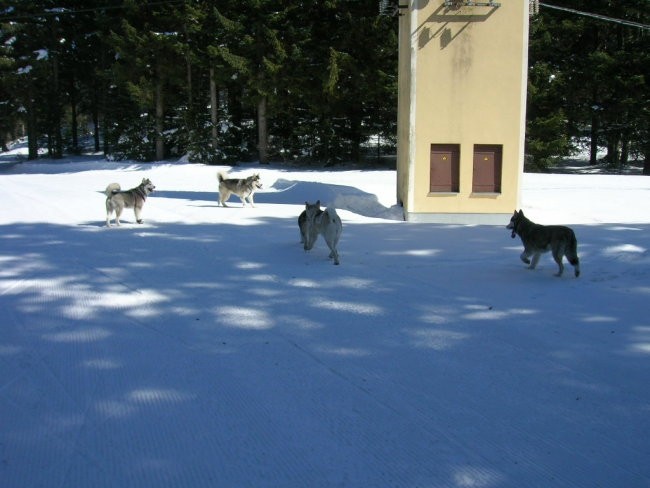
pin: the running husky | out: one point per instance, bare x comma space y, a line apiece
118, 200
244, 188
313, 221
538, 239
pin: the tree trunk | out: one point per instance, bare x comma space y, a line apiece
74, 121
160, 126
595, 128
190, 95
625, 152
262, 131
214, 107
32, 130
57, 144
612, 151
95, 116
355, 136
235, 111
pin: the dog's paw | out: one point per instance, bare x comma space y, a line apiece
140, 221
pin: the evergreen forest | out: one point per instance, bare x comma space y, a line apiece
220, 81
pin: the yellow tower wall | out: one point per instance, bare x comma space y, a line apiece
463, 82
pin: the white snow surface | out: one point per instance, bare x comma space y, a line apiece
206, 348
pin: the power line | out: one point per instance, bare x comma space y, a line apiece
628, 23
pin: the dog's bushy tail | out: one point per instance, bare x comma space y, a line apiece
331, 213
572, 254
221, 176
112, 188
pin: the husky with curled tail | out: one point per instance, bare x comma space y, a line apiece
538, 239
117, 200
314, 221
244, 188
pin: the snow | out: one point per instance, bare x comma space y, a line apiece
206, 348
42, 54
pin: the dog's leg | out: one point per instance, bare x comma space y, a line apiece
310, 238
575, 262
524, 257
576, 268
535, 260
302, 225
109, 211
334, 254
332, 239
118, 213
223, 196
309, 243
558, 256
137, 211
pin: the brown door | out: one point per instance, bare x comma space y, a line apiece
445, 168
487, 168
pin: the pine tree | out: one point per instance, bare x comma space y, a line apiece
149, 56
33, 79
254, 51
9, 118
587, 77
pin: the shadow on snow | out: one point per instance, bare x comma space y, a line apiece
429, 313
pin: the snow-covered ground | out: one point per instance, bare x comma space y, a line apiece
206, 348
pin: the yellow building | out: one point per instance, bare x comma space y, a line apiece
461, 109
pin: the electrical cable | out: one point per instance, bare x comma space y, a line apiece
628, 23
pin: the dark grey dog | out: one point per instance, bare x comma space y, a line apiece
538, 239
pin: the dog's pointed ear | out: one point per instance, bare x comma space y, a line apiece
318, 203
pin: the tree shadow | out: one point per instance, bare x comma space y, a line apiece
218, 338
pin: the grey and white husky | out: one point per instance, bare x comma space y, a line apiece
538, 239
314, 221
117, 200
244, 188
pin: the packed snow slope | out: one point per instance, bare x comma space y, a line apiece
207, 348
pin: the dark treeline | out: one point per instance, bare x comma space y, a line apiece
588, 82
227, 80
218, 80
